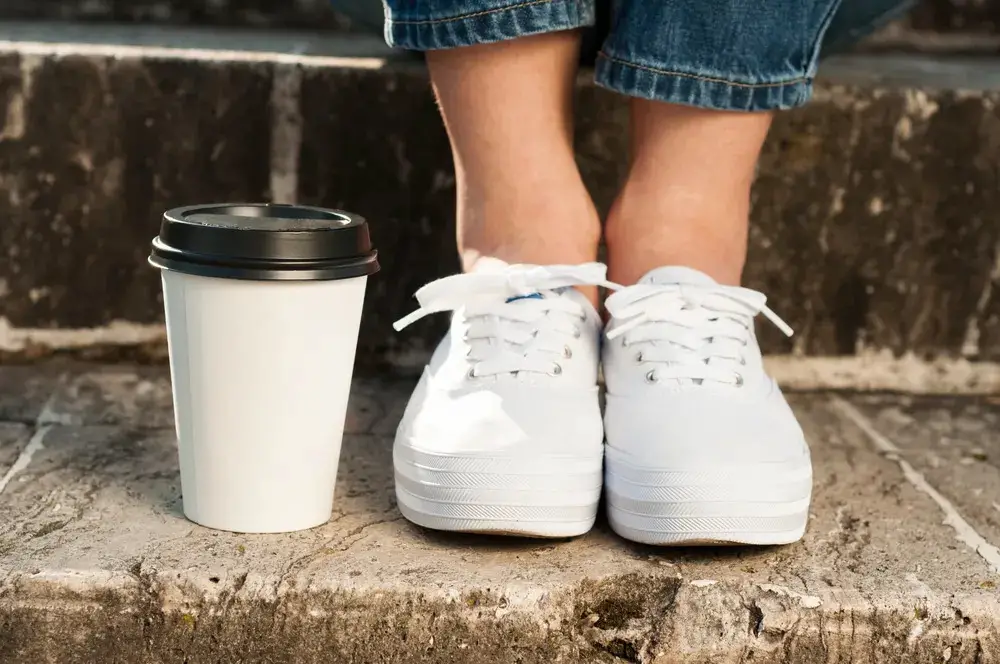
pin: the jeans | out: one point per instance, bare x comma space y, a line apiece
745, 55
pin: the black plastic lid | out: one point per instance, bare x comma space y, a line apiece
264, 242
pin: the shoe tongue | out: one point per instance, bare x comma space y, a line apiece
490, 265
677, 275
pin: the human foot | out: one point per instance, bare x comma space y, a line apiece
503, 433
701, 445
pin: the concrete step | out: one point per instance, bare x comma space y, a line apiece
97, 564
929, 16
954, 26
259, 13
874, 228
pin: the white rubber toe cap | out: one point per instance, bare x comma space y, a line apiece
698, 428
525, 461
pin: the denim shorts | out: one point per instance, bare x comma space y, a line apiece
746, 55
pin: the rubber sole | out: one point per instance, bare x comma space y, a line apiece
528, 497
762, 504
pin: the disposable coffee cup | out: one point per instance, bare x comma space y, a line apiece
263, 305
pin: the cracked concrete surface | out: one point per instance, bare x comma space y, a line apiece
98, 565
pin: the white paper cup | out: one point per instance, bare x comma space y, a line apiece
262, 348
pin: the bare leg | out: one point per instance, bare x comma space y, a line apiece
508, 111
516, 377
687, 196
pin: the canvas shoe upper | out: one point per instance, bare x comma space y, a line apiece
503, 432
701, 444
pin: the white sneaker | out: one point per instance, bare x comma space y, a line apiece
701, 445
503, 433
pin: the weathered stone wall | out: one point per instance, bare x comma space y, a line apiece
874, 218
947, 15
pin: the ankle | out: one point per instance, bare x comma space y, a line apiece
681, 229
541, 228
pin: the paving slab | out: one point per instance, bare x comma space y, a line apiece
954, 443
97, 563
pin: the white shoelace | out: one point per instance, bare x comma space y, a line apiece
691, 332
514, 321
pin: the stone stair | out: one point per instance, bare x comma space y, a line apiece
875, 233
930, 16
97, 564
234, 13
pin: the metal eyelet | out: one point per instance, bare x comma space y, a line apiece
638, 358
556, 369
739, 380
567, 352
651, 377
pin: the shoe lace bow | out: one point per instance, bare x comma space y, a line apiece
512, 320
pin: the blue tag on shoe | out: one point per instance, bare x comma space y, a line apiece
532, 296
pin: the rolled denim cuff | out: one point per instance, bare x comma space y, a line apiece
699, 90
484, 25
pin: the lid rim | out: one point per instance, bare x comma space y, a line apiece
182, 256
316, 272
260, 241
183, 214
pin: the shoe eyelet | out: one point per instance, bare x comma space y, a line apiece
624, 342
577, 333
651, 377
739, 380
745, 342
567, 352
471, 375
638, 358
556, 369
743, 361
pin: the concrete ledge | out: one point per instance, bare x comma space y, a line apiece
945, 15
873, 217
261, 13
46, 39
97, 564
939, 15
899, 38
